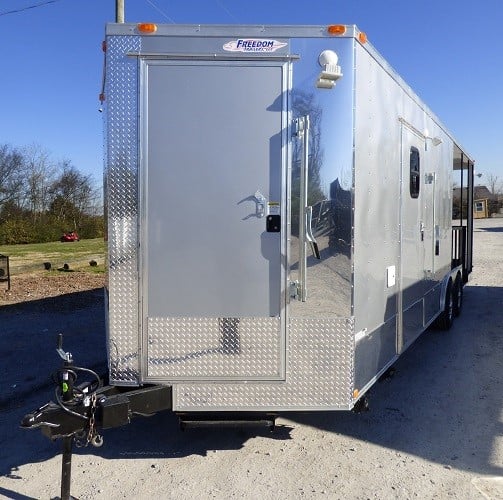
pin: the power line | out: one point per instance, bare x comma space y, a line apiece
160, 11
218, 2
226, 10
28, 7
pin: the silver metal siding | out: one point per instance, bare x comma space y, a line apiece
121, 173
378, 103
329, 280
387, 221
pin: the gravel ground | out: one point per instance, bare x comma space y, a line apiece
434, 430
40, 285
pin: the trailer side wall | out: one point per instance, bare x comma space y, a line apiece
401, 239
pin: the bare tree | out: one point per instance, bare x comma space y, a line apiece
494, 184
12, 167
39, 198
40, 172
72, 194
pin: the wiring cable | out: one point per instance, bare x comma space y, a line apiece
42, 4
72, 372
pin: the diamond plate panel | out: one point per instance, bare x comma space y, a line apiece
320, 374
214, 348
121, 173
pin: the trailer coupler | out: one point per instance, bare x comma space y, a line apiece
82, 409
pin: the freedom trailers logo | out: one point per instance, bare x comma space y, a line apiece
253, 45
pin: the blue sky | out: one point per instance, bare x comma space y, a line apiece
448, 51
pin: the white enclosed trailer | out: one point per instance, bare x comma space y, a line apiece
279, 208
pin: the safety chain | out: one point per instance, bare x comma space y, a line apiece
92, 435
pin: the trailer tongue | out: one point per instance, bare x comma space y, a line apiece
83, 409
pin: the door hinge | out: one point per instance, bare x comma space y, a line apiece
294, 290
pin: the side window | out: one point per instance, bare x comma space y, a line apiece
415, 175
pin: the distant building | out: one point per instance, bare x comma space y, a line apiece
485, 204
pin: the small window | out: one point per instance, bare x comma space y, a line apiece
479, 206
415, 175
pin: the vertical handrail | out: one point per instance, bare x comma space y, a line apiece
303, 134
469, 221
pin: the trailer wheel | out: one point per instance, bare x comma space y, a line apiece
457, 293
362, 405
444, 321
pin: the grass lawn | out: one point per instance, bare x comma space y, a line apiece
77, 254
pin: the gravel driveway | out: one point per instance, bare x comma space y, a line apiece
434, 430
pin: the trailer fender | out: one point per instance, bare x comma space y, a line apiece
452, 276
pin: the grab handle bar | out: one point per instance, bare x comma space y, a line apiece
305, 232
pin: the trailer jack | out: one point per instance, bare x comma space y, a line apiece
81, 409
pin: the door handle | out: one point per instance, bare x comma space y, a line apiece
302, 126
260, 202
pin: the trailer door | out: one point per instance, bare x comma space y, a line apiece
412, 230
213, 137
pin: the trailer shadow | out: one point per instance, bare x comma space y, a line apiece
28, 358
443, 403
495, 229
27, 349
157, 437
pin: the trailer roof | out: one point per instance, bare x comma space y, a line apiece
218, 30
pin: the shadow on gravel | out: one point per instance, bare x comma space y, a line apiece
28, 335
491, 229
443, 404
28, 352
445, 401
28, 340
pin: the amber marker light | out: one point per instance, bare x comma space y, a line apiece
147, 28
356, 393
336, 29
362, 37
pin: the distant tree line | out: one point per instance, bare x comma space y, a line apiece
41, 199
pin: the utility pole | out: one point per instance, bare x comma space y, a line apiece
119, 11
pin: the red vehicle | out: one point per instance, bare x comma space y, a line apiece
71, 236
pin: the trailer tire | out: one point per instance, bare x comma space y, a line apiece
444, 321
362, 405
457, 293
